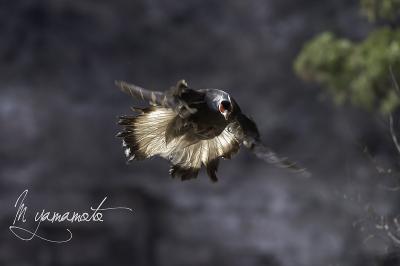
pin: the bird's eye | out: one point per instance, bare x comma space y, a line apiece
225, 106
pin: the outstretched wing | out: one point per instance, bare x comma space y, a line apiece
180, 98
144, 136
269, 156
250, 136
152, 97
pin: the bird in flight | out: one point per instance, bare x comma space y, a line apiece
190, 128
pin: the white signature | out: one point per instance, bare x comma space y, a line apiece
95, 215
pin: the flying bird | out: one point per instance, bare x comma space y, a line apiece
191, 128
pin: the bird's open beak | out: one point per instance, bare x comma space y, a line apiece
226, 114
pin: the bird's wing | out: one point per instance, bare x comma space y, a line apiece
269, 156
179, 98
183, 100
248, 133
137, 92
144, 137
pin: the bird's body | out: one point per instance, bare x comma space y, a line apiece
190, 128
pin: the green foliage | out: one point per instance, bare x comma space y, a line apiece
355, 72
324, 59
381, 9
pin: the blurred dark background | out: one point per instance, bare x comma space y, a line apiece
58, 109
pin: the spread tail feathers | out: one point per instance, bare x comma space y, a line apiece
144, 136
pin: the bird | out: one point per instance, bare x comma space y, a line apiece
191, 128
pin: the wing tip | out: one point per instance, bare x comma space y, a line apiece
128, 88
121, 85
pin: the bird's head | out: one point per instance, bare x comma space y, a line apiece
223, 103
225, 108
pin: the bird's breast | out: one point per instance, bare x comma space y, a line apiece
207, 123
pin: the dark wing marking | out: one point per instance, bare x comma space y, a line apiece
144, 136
